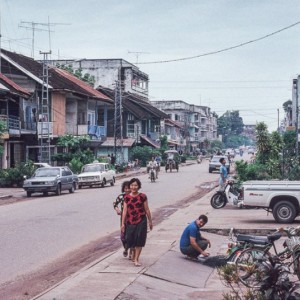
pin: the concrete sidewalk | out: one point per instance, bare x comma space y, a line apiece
165, 273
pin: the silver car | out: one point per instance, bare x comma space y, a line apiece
51, 179
214, 163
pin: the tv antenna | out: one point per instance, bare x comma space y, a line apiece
137, 54
35, 26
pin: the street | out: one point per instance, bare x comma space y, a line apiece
36, 232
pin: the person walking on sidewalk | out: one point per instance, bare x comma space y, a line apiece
120, 202
135, 214
192, 243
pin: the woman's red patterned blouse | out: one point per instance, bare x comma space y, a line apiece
135, 208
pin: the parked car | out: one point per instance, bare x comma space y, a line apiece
251, 151
214, 163
96, 174
51, 179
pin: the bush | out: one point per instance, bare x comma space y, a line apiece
254, 171
15, 176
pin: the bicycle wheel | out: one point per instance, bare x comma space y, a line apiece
249, 268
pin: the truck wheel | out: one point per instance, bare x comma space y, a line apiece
284, 212
210, 170
28, 194
218, 200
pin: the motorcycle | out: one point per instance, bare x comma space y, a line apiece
199, 159
231, 194
152, 172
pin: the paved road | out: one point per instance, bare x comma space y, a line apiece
36, 232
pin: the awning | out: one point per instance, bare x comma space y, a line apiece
110, 142
149, 141
174, 143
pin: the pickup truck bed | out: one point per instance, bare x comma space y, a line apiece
280, 197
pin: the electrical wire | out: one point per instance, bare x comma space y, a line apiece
222, 50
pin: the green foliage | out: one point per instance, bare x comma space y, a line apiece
75, 165
143, 154
163, 143
230, 125
90, 79
237, 291
246, 171
15, 176
76, 149
2, 130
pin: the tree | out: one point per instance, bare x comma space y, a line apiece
263, 143
90, 79
230, 124
76, 151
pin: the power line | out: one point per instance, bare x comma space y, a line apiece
222, 50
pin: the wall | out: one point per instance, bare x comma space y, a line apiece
58, 114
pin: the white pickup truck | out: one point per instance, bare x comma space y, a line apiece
282, 198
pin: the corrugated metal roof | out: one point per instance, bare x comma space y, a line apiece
110, 142
9, 84
83, 85
58, 79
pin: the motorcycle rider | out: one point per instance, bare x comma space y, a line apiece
152, 164
223, 174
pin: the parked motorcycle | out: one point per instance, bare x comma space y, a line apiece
231, 194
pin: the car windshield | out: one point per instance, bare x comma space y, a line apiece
216, 159
93, 168
47, 172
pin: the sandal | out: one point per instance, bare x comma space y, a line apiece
125, 253
137, 264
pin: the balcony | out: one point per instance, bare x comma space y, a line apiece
45, 129
96, 132
13, 124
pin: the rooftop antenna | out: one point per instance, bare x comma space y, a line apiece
35, 26
137, 54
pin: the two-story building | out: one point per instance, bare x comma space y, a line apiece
74, 108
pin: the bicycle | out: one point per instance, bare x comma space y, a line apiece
248, 263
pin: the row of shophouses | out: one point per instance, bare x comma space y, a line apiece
78, 109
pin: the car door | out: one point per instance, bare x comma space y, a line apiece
69, 176
108, 172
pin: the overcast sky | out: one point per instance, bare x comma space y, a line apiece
255, 79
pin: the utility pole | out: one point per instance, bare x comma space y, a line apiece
118, 123
278, 119
295, 85
44, 122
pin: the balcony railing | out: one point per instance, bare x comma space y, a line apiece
95, 131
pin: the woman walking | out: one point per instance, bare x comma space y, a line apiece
135, 214
120, 202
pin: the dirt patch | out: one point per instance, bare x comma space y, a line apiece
32, 284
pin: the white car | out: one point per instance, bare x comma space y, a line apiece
96, 174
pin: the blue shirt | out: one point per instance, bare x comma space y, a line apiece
223, 171
191, 230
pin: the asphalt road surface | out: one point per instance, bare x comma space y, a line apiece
36, 232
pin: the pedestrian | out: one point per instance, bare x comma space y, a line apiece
120, 202
108, 159
223, 174
135, 214
112, 159
192, 243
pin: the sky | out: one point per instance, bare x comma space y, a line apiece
255, 78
